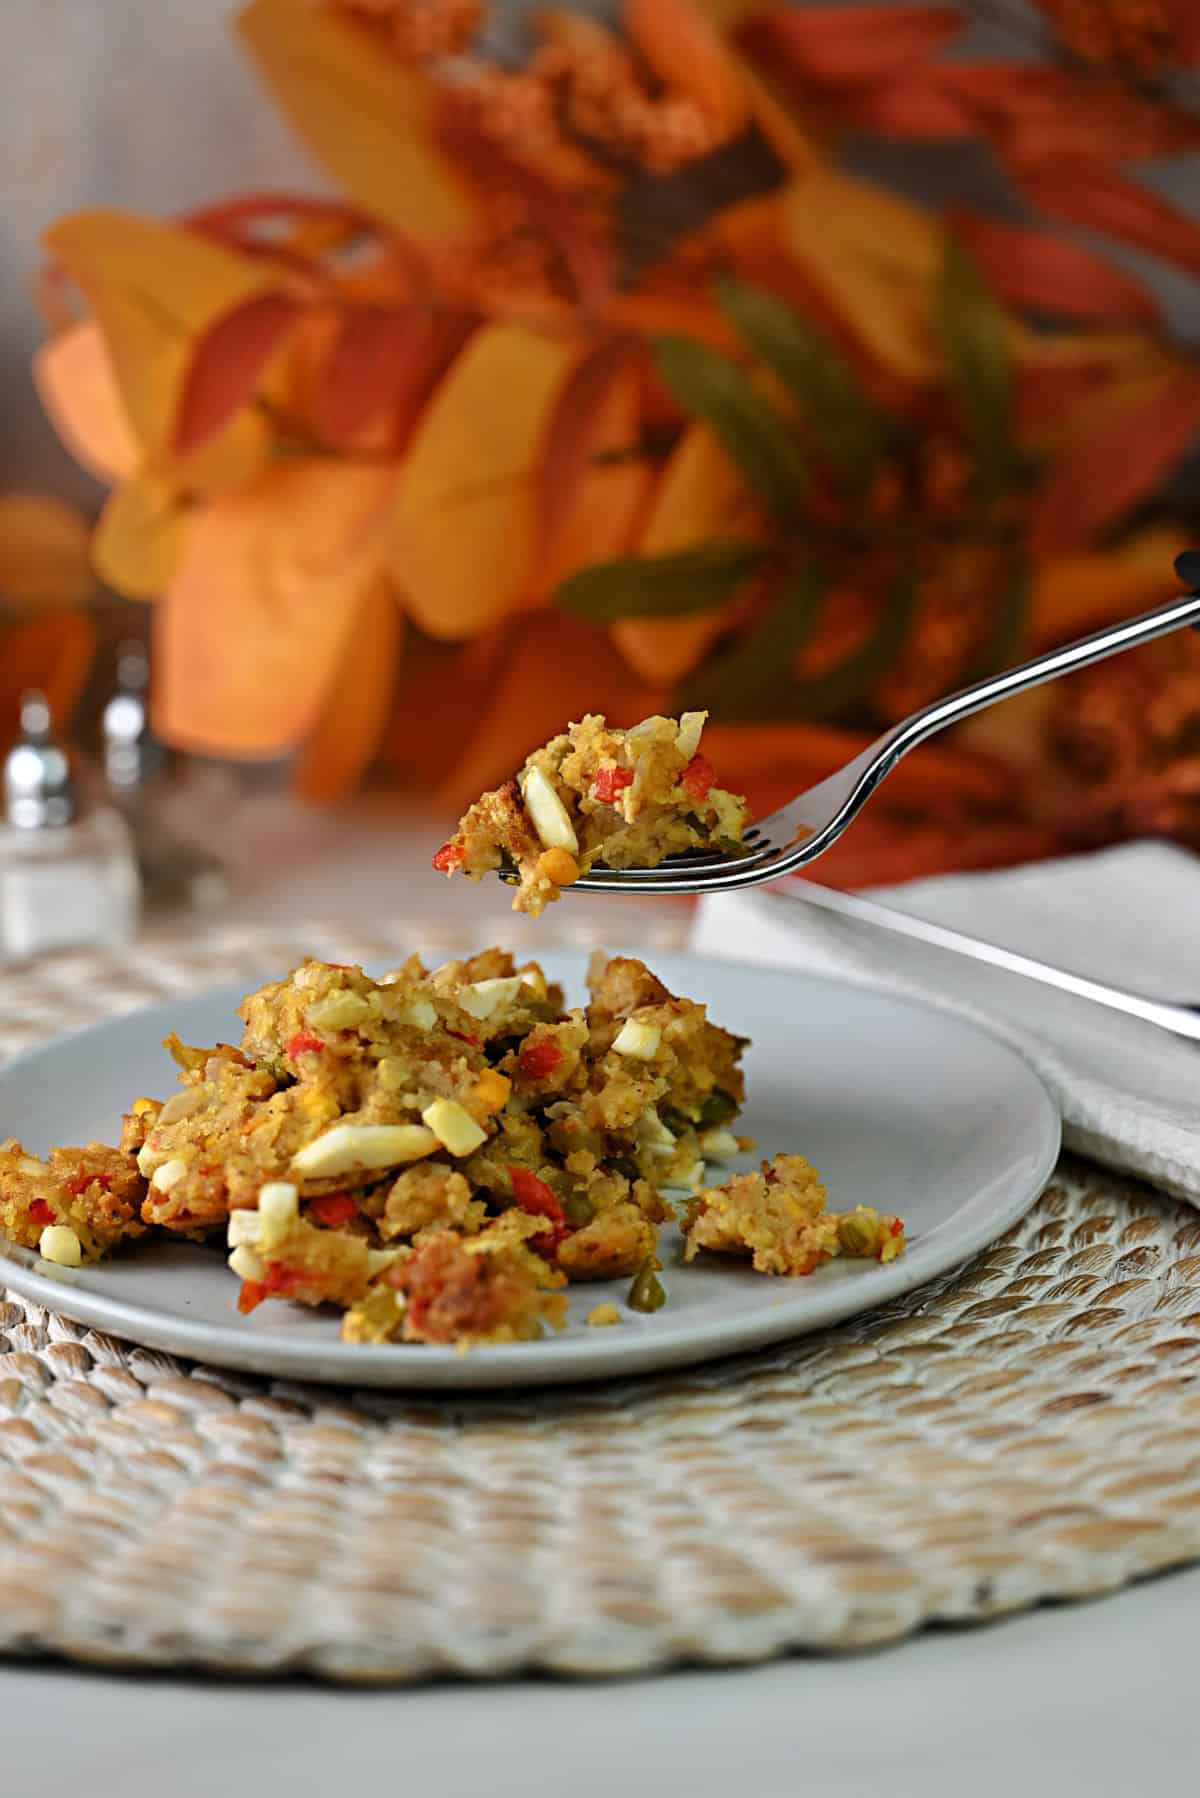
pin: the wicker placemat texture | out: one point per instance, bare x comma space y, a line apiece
1024, 1430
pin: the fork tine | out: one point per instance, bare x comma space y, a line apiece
685, 866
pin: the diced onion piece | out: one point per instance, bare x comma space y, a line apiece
278, 1207
637, 1039
719, 1145
59, 1243
348, 1148
145, 1161
243, 1227
691, 728
548, 814
454, 1126
484, 997
533, 977
419, 1015
246, 1263
168, 1175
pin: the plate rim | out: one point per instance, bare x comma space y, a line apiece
562, 1362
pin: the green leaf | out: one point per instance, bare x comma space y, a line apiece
690, 580
1006, 627
754, 679
710, 386
849, 432
827, 694
971, 327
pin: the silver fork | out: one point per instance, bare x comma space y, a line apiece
798, 833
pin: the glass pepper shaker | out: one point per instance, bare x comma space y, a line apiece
175, 868
68, 875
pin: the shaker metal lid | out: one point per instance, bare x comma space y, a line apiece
39, 793
132, 754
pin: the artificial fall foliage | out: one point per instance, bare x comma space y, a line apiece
608, 385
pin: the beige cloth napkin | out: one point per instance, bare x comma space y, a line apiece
1129, 1092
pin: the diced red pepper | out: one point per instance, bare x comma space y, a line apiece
251, 1296
40, 1212
897, 1225
698, 777
83, 1180
304, 1043
277, 1282
609, 782
463, 1036
535, 1197
448, 858
539, 1059
333, 1209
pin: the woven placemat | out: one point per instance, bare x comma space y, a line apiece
1024, 1430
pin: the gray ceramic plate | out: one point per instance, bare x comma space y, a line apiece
900, 1106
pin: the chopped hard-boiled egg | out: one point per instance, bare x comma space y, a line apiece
547, 813
59, 1243
246, 1263
419, 1014
691, 727
484, 997
454, 1127
350, 1148
638, 1039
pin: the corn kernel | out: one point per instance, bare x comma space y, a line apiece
491, 1090
559, 866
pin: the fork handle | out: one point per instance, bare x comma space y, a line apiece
1065, 660
1181, 1020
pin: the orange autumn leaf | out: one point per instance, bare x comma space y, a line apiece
340, 750
594, 477
875, 259
684, 51
1104, 200
226, 365
43, 551
918, 110
74, 377
52, 652
465, 528
364, 114
772, 762
1184, 21
1117, 464
554, 668
384, 362
139, 537
1079, 593
1041, 273
700, 497
842, 46
438, 686
257, 617
154, 288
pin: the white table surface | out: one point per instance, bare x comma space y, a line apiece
1095, 1699
1088, 1701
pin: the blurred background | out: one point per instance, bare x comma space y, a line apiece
406, 376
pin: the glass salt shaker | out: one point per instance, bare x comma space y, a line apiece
68, 875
